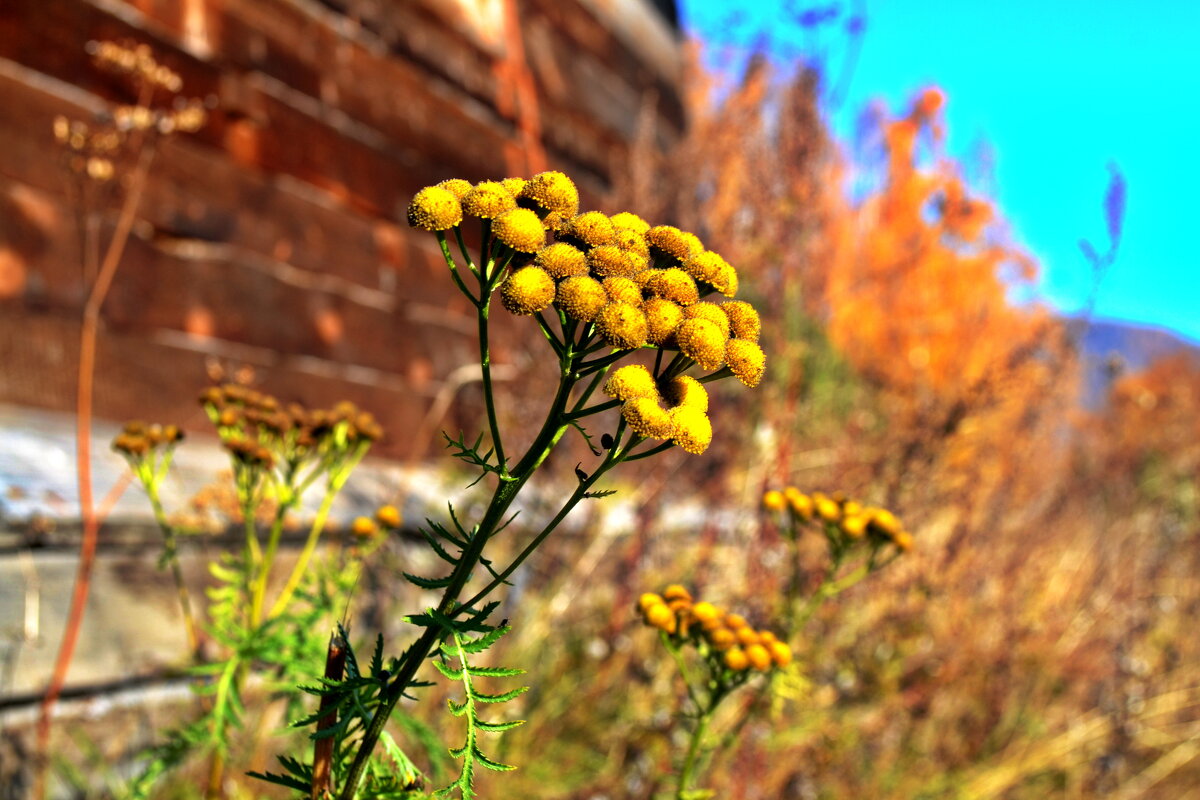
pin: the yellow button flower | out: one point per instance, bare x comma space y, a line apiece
591, 228
693, 430
434, 209
622, 325
662, 318
581, 297
746, 361
552, 191
703, 266
701, 341
630, 381
711, 312
669, 241
561, 260
456, 186
675, 285
684, 390
744, 322
487, 200
520, 229
647, 418
626, 219
607, 261
527, 291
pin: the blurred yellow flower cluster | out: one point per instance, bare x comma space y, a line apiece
847, 519
725, 638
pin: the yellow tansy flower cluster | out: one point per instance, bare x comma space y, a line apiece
684, 420
640, 285
848, 519
725, 638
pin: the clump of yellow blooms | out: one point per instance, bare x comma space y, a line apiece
630, 284
729, 644
844, 520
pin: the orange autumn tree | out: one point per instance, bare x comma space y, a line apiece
919, 300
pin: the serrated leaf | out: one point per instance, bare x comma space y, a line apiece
478, 645
449, 672
498, 766
500, 698
498, 727
600, 493
457, 709
494, 672
428, 583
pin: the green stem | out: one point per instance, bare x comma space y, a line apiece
689, 762
485, 365
453, 265
264, 571
462, 246
653, 451
596, 409
310, 546
172, 557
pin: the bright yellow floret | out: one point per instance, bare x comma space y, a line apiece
630, 381
488, 200
608, 261
647, 418
552, 191
456, 186
662, 318
626, 219
684, 390
623, 290
669, 241
744, 322
520, 229
622, 325
703, 266
581, 297
693, 430
773, 500
675, 285
746, 361
711, 312
736, 660
434, 209
591, 228
701, 341
527, 291
561, 260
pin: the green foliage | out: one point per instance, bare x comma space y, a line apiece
458, 648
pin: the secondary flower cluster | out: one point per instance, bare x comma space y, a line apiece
847, 518
137, 439
259, 432
726, 639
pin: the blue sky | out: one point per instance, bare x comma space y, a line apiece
1058, 89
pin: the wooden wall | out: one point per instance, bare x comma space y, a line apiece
275, 237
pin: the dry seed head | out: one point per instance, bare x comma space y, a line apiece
622, 325
561, 260
647, 418
552, 191
670, 241
662, 318
736, 660
527, 291
388, 516
693, 430
434, 209
746, 361
487, 200
591, 227
701, 341
581, 297
704, 265
684, 390
744, 322
520, 229
626, 219
630, 381
607, 261
759, 657
456, 186
675, 285
711, 312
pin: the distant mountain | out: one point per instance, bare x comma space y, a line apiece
1127, 346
